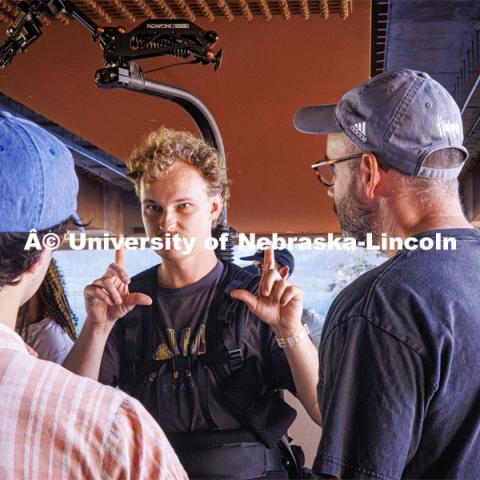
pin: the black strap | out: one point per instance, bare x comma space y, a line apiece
131, 348
209, 438
233, 454
140, 332
225, 326
237, 461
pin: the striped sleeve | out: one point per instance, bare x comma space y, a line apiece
137, 448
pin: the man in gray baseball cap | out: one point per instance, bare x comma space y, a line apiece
398, 383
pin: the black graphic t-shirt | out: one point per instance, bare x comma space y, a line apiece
184, 312
181, 335
182, 394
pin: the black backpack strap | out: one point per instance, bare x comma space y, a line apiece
225, 327
257, 407
140, 332
224, 333
132, 337
247, 281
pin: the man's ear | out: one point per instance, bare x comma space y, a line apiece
45, 256
216, 207
284, 271
370, 175
33, 276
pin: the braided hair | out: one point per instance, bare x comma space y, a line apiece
53, 303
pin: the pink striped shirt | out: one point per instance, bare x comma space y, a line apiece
57, 425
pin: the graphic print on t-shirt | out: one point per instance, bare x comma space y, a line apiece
181, 329
187, 347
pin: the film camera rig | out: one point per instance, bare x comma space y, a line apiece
153, 38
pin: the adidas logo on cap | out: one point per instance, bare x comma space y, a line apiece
360, 131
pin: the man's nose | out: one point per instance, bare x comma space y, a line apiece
330, 192
168, 221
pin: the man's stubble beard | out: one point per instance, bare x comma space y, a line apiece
356, 220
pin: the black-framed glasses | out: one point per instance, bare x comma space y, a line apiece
325, 169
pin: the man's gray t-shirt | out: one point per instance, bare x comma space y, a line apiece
399, 386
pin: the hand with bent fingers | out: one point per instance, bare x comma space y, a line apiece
108, 299
278, 302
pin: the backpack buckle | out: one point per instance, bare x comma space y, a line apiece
235, 359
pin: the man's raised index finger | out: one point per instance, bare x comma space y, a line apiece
120, 258
269, 258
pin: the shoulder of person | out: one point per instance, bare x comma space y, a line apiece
58, 345
48, 324
144, 279
389, 297
235, 276
49, 337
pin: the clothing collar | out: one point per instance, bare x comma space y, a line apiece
9, 340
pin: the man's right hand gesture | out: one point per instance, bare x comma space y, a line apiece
108, 299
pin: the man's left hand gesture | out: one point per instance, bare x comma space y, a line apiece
278, 302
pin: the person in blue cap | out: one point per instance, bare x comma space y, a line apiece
54, 424
285, 264
399, 390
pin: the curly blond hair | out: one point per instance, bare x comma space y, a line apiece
162, 148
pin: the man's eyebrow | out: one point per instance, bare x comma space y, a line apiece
177, 200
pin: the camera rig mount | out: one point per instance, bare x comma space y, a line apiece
153, 38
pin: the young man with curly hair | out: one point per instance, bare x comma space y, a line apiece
206, 368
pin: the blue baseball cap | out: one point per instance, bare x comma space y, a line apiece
402, 116
38, 183
282, 256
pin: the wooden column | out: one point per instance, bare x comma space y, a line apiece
112, 209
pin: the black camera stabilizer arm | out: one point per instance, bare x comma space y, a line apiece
153, 38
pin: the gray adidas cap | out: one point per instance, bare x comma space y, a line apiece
402, 116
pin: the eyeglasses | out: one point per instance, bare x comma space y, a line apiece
325, 169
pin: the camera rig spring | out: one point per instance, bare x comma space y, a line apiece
153, 38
